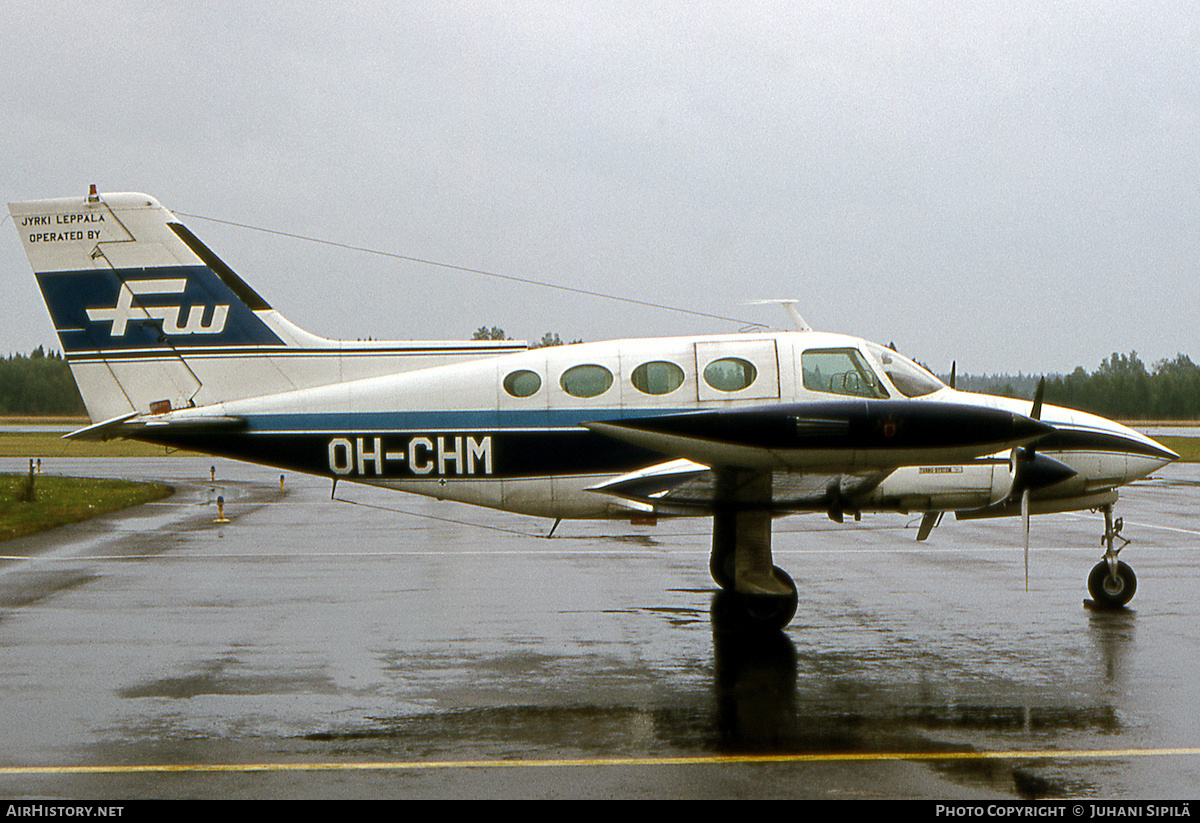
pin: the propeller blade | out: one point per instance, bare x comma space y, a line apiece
953, 366
1025, 523
1036, 413
928, 521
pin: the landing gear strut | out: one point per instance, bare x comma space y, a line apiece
755, 594
1112, 583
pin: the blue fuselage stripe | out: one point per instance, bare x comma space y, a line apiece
444, 421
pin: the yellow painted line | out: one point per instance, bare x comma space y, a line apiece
732, 759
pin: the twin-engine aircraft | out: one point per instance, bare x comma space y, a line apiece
169, 345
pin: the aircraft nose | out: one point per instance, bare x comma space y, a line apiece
1140, 455
1167, 455
1153, 459
1145, 447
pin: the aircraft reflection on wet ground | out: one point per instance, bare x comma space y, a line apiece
308, 631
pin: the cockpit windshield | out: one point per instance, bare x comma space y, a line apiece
910, 379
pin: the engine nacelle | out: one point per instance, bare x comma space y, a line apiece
973, 485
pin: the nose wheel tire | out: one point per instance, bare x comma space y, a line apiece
1110, 591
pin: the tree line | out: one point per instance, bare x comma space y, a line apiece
1122, 387
497, 333
37, 385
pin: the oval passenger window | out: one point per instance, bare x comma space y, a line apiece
586, 381
730, 374
657, 377
522, 383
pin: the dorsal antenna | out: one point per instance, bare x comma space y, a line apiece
789, 305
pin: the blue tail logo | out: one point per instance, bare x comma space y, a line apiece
124, 312
149, 309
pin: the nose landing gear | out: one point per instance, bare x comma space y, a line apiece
1111, 582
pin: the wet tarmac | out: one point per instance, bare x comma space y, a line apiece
402, 647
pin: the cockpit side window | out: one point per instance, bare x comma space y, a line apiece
840, 371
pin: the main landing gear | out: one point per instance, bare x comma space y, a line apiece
755, 594
1112, 583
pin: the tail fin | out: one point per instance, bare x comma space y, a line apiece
150, 319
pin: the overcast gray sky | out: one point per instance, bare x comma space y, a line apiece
1012, 185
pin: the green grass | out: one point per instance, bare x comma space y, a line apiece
62, 500
48, 444
1188, 448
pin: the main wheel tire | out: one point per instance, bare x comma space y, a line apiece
1113, 592
734, 610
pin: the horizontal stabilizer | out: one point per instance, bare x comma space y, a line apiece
130, 425
104, 430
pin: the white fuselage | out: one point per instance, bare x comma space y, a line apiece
442, 431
